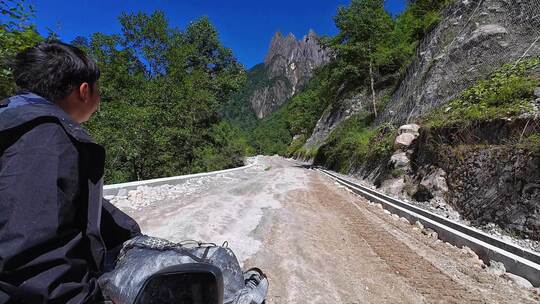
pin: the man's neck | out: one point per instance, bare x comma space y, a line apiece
68, 105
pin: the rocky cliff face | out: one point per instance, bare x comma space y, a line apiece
337, 113
474, 38
334, 115
288, 67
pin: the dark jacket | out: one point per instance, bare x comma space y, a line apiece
57, 233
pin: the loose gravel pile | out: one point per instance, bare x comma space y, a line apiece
145, 196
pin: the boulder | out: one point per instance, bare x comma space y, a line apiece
404, 140
393, 187
537, 92
410, 128
522, 282
399, 160
496, 268
406, 135
435, 182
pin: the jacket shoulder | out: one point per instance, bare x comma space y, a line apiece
12, 119
46, 134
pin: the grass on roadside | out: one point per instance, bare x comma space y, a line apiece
505, 93
355, 142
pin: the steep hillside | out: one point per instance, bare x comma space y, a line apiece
285, 130
473, 39
238, 110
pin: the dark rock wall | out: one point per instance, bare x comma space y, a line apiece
498, 185
490, 179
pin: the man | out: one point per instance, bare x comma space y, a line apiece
57, 234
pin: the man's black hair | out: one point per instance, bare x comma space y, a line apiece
53, 69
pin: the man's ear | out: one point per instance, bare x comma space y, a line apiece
84, 91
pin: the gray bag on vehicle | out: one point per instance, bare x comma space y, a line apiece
143, 256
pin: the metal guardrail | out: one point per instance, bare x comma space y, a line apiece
109, 190
516, 260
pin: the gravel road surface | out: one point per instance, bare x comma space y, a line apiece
317, 241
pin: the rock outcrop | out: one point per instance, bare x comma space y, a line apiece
333, 116
288, 67
338, 112
495, 185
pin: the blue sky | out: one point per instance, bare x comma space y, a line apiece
245, 26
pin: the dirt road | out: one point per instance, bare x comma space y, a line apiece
318, 242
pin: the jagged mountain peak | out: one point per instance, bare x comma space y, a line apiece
286, 46
288, 66
280, 45
312, 35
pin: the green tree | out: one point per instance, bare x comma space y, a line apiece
364, 28
162, 89
410, 27
16, 34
